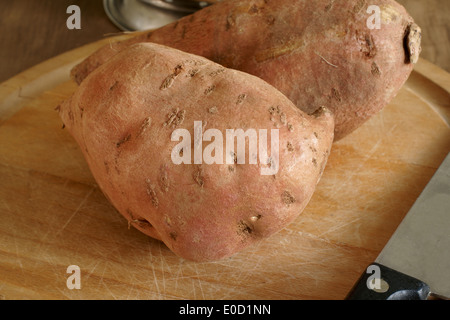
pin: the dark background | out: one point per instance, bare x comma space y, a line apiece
35, 30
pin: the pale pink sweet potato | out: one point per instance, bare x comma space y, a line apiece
316, 52
123, 117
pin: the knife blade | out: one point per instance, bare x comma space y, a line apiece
415, 263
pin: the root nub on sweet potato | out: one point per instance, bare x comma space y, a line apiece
318, 53
129, 117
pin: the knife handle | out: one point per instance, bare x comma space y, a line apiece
383, 283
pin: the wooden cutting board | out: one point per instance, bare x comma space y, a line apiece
53, 215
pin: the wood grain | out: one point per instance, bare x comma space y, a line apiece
52, 213
34, 31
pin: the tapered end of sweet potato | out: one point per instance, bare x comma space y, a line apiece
413, 39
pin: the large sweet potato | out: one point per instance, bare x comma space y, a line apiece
125, 117
316, 52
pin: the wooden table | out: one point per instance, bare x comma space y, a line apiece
34, 31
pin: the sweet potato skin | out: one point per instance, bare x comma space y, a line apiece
122, 118
318, 53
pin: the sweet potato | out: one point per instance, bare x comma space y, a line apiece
318, 53
124, 117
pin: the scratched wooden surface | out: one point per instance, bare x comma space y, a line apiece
53, 215
35, 31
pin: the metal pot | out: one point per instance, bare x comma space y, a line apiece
134, 15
